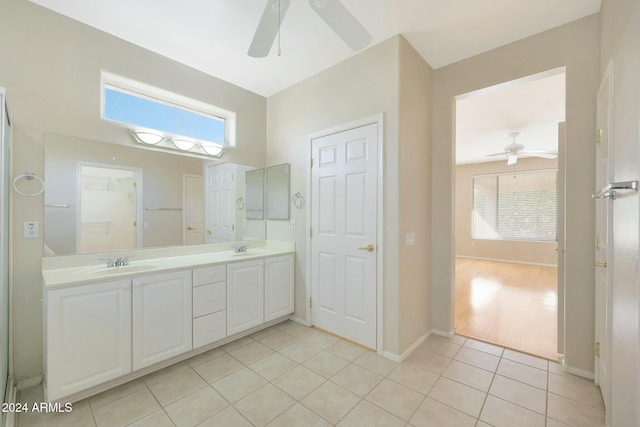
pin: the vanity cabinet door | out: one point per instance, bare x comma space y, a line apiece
278, 287
245, 295
162, 319
88, 330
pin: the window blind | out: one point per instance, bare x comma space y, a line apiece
516, 206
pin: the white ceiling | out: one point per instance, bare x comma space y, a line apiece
213, 35
532, 106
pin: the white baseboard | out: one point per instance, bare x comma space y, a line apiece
399, 358
538, 264
575, 371
299, 320
442, 333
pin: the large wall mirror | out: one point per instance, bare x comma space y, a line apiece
103, 196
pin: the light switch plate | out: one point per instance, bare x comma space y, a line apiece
410, 239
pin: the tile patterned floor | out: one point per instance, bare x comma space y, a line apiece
290, 375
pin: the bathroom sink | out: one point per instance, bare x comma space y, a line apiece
110, 271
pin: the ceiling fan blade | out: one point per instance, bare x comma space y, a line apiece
540, 153
268, 28
512, 159
504, 153
342, 22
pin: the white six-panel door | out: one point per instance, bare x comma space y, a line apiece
343, 233
220, 203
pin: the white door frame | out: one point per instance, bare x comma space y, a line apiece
606, 349
379, 120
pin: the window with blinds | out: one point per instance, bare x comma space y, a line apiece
516, 206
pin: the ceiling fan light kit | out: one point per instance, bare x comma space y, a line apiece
332, 12
514, 150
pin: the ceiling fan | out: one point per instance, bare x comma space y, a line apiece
514, 150
333, 12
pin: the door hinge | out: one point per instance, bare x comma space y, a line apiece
310, 232
233, 227
598, 136
310, 302
596, 349
135, 223
135, 184
312, 162
597, 242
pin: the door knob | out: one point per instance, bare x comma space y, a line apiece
209, 232
368, 248
190, 228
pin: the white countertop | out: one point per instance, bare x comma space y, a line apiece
72, 270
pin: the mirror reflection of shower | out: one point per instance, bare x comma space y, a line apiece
109, 213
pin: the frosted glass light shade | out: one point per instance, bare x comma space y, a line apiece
147, 137
183, 144
212, 149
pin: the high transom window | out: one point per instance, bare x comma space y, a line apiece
144, 107
516, 206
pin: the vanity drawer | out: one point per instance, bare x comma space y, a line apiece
209, 299
206, 275
210, 328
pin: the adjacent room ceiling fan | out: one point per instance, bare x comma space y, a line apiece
514, 150
333, 12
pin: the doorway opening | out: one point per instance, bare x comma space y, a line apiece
509, 213
109, 208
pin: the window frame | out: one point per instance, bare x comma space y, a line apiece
172, 99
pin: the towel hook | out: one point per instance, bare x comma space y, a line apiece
29, 176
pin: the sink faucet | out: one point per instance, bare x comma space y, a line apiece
118, 262
122, 261
110, 262
240, 249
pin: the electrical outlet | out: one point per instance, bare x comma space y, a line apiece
31, 229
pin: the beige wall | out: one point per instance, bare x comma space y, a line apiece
363, 86
620, 27
574, 45
51, 68
416, 83
504, 250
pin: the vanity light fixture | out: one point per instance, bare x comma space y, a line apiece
149, 138
213, 149
183, 144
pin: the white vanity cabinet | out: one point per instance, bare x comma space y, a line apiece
162, 319
105, 326
209, 304
245, 295
278, 287
88, 330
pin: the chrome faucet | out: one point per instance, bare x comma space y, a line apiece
240, 249
110, 262
118, 262
122, 261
